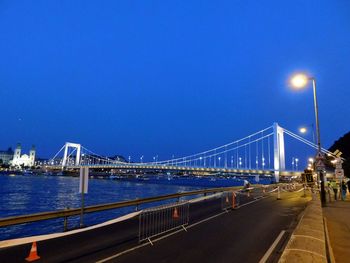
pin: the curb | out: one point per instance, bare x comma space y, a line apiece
329, 246
308, 241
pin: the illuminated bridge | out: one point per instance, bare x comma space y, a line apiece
260, 153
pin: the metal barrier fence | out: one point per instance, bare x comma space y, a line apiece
162, 219
230, 200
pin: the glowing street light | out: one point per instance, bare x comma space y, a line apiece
300, 81
303, 130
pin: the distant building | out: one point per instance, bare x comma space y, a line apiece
6, 156
25, 159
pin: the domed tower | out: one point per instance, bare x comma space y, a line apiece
17, 154
32, 156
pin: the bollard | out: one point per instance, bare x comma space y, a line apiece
65, 224
278, 193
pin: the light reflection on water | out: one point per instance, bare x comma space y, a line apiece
22, 195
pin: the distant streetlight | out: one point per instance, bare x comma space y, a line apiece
219, 158
296, 164
300, 81
304, 130
263, 163
141, 159
129, 158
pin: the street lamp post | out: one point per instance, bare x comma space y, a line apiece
300, 81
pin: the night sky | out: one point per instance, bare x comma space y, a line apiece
168, 77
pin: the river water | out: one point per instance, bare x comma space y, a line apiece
22, 195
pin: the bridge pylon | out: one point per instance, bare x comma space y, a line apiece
278, 150
75, 146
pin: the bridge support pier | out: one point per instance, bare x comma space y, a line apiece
278, 151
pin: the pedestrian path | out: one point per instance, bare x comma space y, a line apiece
337, 214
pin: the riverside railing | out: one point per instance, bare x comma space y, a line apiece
163, 218
65, 213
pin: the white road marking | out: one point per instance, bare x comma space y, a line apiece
273, 246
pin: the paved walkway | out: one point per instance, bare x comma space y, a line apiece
337, 214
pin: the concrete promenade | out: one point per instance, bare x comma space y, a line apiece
337, 214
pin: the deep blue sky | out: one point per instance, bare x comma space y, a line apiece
168, 77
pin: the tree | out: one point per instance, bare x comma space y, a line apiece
343, 145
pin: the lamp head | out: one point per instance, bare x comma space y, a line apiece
302, 130
299, 80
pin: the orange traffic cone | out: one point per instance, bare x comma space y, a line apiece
233, 200
33, 255
175, 214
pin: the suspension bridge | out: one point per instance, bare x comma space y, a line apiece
260, 153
